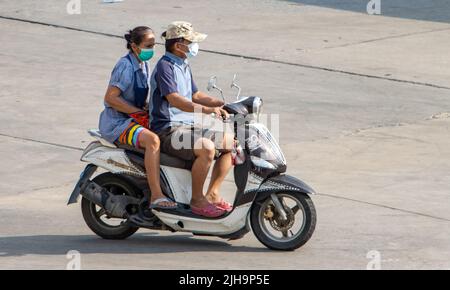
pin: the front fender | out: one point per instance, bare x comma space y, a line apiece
281, 183
275, 184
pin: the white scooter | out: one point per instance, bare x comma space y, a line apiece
276, 206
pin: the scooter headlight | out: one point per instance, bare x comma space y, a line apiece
264, 150
262, 163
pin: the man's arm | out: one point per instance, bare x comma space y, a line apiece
168, 87
186, 105
206, 100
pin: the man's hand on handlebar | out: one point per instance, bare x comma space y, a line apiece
218, 112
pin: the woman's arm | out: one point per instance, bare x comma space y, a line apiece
113, 98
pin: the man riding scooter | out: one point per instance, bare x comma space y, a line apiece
173, 101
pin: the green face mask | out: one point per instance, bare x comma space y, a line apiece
146, 54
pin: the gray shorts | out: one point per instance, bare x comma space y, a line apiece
179, 141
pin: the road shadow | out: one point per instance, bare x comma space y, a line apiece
428, 10
140, 243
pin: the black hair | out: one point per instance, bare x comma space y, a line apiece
136, 35
171, 42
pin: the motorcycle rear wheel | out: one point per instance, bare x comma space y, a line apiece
97, 219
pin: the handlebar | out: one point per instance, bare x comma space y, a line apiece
225, 120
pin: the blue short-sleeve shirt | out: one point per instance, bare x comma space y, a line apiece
172, 74
112, 123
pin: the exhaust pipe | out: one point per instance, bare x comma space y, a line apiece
115, 205
95, 193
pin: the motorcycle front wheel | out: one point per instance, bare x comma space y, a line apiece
96, 217
281, 234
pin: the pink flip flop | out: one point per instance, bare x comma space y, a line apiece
222, 204
208, 211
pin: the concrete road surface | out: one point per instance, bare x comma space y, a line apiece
364, 108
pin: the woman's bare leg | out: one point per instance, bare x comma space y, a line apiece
150, 142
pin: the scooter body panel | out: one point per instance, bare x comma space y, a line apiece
179, 182
114, 160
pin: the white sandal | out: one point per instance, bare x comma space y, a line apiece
155, 204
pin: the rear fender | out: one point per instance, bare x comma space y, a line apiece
84, 178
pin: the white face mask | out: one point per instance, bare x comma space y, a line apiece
193, 50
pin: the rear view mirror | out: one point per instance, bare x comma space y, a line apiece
234, 85
211, 83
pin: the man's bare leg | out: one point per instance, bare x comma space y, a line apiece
220, 171
204, 152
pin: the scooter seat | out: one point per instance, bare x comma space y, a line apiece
137, 155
